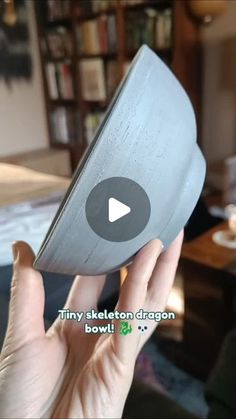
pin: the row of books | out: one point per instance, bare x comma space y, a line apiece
98, 80
153, 28
59, 43
64, 124
57, 9
59, 80
97, 36
92, 122
88, 7
61, 9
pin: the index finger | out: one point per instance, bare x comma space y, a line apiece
132, 298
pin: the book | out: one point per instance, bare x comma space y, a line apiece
82, 8
111, 78
112, 33
92, 79
57, 9
66, 85
97, 36
103, 5
51, 81
63, 124
150, 27
59, 80
103, 34
92, 121
163, 29
59, 43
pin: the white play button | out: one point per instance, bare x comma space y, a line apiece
117, 210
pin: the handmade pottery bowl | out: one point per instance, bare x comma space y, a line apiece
145, 150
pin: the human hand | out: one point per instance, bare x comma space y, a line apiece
66, 373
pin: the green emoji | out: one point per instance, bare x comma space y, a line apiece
125, 328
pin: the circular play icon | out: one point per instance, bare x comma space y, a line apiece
118, 209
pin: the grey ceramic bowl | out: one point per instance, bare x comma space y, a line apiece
148, 136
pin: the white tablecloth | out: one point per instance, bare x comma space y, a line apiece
28, 221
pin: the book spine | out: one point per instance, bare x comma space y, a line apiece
51, 81
94, 34
103, 37
160, 31
80, 39
66, 82
112, 40
92, 122
64, 135
64, 124
85, 37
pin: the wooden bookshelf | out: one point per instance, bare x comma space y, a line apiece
80, 38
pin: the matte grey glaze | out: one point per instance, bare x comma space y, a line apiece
149, 136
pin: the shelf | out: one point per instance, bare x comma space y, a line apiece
165, 53
107, 56
62, 102
159, 5
94, 15
78, 107
97, 103
58, 59
59, 22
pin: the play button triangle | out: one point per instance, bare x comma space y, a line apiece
117, 210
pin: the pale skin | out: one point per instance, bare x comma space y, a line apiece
65, 373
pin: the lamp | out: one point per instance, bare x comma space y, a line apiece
207, 10
10, 16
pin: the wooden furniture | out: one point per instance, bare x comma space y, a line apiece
221, 175
50, 161
209, 273
204, 251
18, 184
181, 54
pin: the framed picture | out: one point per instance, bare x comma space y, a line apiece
15, 58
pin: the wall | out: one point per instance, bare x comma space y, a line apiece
219, 88
22, 117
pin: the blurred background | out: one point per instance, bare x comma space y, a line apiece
60, 64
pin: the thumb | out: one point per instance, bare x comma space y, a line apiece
26, 308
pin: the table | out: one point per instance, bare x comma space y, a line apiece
204, 251
209, 273
50, 161
20, 184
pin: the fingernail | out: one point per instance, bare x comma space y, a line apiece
14, 251
161, 244
159, 248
